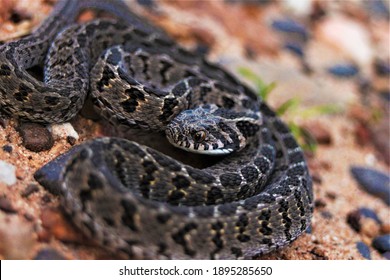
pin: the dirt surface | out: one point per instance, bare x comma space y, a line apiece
239, 35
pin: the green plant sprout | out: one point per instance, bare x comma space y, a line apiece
263, 89
293, 106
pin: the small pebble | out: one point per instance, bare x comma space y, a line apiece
29, 217
373, 182
368, 213
319, 132
71, 140
63, 131
343, 70
290, 26
319, 203
385, 228
365, 220
382, 68
36, 137
6, 206
7, 148
353, 219
327, 215
295, 49
331, 195
49, 254
7, 173
202, 49
382, 243
30, 189
147, 3
300, 8
364, 250
378, 8
316, 178
386, 255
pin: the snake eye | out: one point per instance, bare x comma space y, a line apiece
199, 135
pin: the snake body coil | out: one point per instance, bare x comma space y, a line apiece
131, 198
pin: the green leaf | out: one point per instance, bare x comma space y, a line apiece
314, 111
262, 88
288, 105
304, 137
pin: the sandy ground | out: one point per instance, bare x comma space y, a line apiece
31, 221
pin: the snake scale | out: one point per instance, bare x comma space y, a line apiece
130, 198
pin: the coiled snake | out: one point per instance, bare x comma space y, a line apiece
131, 198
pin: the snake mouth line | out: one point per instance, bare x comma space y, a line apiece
216, 152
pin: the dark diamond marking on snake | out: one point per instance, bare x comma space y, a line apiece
180, 238
250, 173
181, 182
94, 183
5, 70
247, 129
128, 216
230, 179
214, 195
163, 218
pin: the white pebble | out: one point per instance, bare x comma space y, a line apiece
62, 131
300, 8
7, 173
349, 37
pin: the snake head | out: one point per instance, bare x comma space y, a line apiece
211, 130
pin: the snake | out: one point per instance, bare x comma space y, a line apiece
132, 199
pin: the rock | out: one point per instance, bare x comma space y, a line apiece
382, 243
364, 220
373, 182
290, 26
378, 8
295, 49
6, 206
386, 255
368, 213
63, 131
343, 70
7, 148
36, 137
147, 3
351, 39
31, 188
369, 228
326, 214
49, 254
7, 173
299, 8
71, 140
319, 132
353, 219
385, 228
364, 250
319, 203
382, 68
